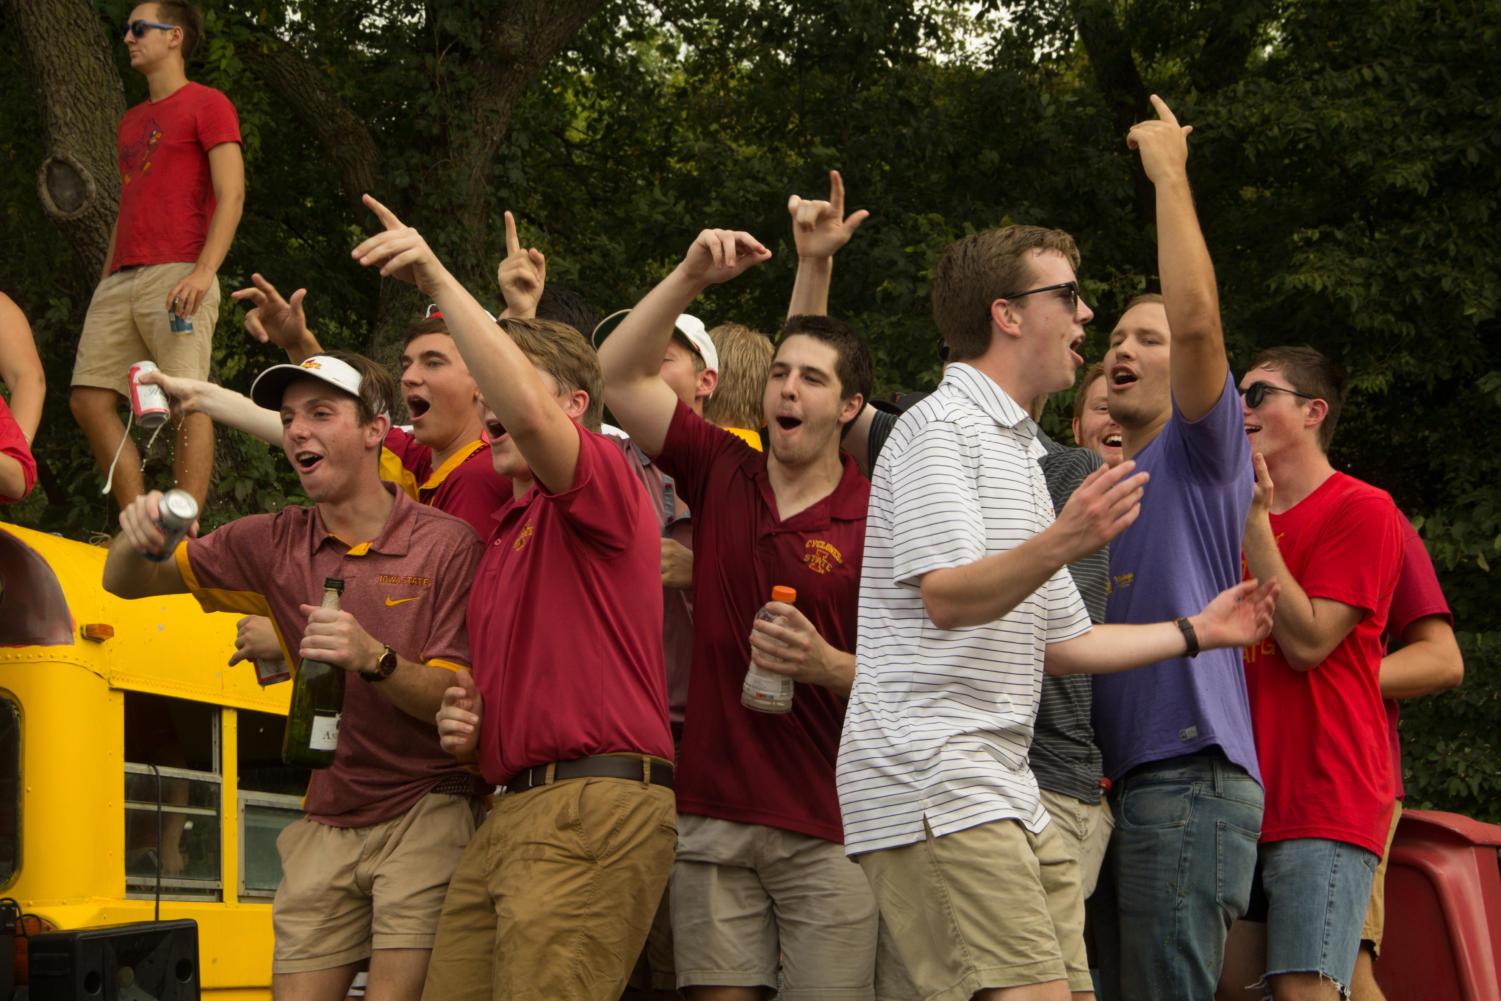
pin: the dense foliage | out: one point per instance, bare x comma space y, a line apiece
1345, 159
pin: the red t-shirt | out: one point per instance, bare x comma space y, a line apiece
166, 188
1417, 596
466, 486
565, 622
13, 444
1321, 734
407, 588
738, 764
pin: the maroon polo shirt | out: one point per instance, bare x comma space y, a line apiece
466, 486
738, 764
565, 621
407, 588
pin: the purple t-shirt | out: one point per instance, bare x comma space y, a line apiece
1182, 551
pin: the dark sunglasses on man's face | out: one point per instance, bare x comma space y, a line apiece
1255, 393
138, 29
1070, 288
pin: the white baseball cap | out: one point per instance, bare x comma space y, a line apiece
690, 329
268, 387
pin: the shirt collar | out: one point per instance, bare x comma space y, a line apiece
395, 538
849, 501
995, 403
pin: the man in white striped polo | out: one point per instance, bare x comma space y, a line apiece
963, 599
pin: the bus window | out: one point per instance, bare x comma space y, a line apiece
172, 794
270, 799
10, 790
33, 611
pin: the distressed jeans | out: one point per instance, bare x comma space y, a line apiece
1178, 872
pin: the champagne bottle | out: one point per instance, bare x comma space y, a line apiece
312, 732
765, 691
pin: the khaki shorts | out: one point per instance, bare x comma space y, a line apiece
654, 970
554, 896
1085, 828
1375, 915
127, 322
989, 907
746, 896
347, 890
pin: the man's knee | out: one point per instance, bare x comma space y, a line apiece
91, 405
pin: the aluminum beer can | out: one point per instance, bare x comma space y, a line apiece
147, 402
178, 511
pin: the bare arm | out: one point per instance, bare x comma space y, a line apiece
1103, 506
336, 637
127, 571
1306, 629
109, 253
792, 646
226, 166
522, 276
631, 359
12, 479
1190, 295
819, 229
1429, 661
510, 383
224, 406
21, 368
1237, 617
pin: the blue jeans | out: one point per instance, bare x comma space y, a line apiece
1316, 892
1180, 867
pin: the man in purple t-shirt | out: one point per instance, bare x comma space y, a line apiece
1176, 735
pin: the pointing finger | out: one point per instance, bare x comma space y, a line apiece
513, 244
1163, 111
836, 193
792, 203
267, 288
386, 216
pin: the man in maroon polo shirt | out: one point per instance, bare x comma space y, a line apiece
364, 873
567, 705
761, 881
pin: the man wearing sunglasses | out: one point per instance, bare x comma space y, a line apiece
182, 187
1176, 736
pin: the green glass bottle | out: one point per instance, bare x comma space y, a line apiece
312, 732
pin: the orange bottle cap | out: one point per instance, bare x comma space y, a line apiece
786, 595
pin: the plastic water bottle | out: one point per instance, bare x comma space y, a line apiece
766, 691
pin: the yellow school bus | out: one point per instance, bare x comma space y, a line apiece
142, 775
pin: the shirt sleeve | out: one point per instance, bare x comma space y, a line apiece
1067, 616
227, 570
405, 462
1418, 594
1216, 444
1358, 555
689, 452
447, 643
606, 498
217, 120
13, 444
936, 519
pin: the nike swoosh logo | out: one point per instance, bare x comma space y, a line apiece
392, 603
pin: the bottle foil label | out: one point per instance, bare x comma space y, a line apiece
325, 733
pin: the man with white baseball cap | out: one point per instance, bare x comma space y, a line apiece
365, 870
690, 365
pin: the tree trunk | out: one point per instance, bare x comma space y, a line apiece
82, 102
1116, 75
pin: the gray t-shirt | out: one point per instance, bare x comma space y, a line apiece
1063, 756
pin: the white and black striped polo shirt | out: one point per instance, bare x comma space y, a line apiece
939, 721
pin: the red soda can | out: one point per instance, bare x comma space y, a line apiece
147, 402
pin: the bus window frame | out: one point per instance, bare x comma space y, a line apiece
268, 800
12, 707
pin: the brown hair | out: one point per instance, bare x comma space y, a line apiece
564, 354
421, 327
378, 390
744, 361
186, 17
1093, 372
852, 367
1312, 372
981, 268
1141, 299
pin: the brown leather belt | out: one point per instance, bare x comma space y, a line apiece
641, 767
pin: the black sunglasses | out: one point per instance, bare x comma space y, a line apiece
1072, 288
1255, 393
138, 29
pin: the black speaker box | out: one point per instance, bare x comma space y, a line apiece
142, 961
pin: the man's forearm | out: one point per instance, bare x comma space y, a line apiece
12, 478
634, 351
235, 410
1106, 649
841, 674
990, 587
128, 574
27, 395
1191, 299
810, 289
1295, 627
221, 233
1428, 662
109, 252
415, 689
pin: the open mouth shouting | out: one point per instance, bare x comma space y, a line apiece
307, 461
418, 406
493, 430
1252, 428
1122, 376
1111, 440
1073, 350
789, 423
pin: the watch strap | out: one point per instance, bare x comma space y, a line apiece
385, 666
1189, 636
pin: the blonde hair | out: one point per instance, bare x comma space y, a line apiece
561, 352
744, 362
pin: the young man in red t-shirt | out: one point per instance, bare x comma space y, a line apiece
1334, 544
761, 883
567, 705
182, 187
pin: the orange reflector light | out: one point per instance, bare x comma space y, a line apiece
97, 631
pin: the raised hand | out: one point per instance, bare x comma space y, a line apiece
719, 255
185, 395
522, 274
1163, 143
1103, 506
1238, 616
272, 319
140, 524
819, 228
1261, 499
459, 716
400, 252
